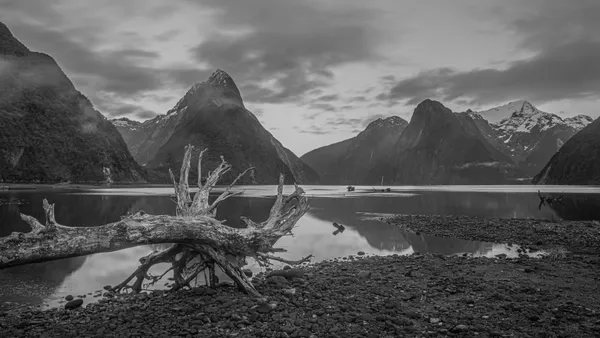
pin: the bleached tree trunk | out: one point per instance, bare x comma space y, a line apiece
201, 241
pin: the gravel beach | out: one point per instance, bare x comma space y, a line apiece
360, 296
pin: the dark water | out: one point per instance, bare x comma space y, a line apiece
45, 283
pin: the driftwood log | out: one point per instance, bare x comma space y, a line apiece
199, 241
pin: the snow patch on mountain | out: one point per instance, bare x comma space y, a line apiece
579, 122
391, 121
523, 117
124, 122
474, 115
497, 114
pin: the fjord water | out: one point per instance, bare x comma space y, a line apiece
48, 282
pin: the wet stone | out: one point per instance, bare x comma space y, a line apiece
74, 304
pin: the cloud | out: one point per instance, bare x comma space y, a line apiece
328, 98
297, 43
545, 25
323, 106
359, 98
314, 130
111, 71
388, 78
564, 65
118, 74
167, 35
369, 90
344, 121
134, 53
158, 98
570, 71
108, 71
118, 109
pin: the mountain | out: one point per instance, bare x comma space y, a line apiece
478, 128
50, 132
212, 115
349, 161
577, 162
436, 148
526, 134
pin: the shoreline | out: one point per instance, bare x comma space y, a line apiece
576, 237
376, 296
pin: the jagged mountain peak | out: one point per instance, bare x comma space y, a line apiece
579, 122
220, 78
9, 45
519, 108
387, 122
526, 109
473, 114
218, 89
122, 119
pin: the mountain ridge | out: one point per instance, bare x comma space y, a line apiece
526, 134
577, 162
50, 131
435, 148
212, 115
349, 161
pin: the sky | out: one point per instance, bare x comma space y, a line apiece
318, 71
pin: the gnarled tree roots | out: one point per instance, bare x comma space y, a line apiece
201, 242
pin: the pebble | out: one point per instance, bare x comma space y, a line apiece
460, 328
364, 274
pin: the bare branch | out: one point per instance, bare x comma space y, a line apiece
33, 223
200, 167
186, 282
226, 194
49, 209
278, 205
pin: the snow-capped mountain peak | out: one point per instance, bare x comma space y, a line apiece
517, 109
523, 117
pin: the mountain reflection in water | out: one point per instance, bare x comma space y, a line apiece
49, 281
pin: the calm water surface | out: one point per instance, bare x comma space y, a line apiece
47, 283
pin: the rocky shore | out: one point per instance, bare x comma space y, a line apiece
572, 236
360, 296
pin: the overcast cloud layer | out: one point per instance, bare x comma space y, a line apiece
320, 70
562, 35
